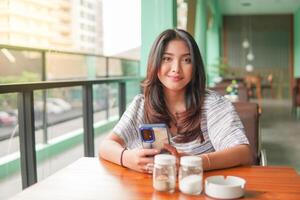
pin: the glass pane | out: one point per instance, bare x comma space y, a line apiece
132, 89
10, 177
100, 66
101, 114
65, 66
123, 67
113, 100
130, 67
74, 66
20, 66
115, 67
59, 133
100, 101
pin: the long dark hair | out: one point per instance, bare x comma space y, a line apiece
188, 123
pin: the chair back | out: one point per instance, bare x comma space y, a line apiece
296, 93
249, 115
242, 91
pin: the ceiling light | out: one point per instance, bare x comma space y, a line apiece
245, 44
249, 68
250, 56
246, 3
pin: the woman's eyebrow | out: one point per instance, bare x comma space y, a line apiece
185, 54
166, 53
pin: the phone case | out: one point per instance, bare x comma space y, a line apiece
155, 137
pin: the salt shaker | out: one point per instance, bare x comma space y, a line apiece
190, 175
164, 173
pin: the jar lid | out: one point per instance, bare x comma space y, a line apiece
193, 161
164, 159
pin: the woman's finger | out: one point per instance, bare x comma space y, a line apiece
149, 152
148, 168
146, 160
171, 149
174, 152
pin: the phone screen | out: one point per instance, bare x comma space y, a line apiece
154, 135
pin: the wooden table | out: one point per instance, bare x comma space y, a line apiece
87, 179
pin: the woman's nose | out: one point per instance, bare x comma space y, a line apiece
175, 66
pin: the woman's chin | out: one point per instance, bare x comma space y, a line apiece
174, 89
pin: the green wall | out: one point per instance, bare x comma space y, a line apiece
201, 27
207, 35
157, 15
297, 44
213, 42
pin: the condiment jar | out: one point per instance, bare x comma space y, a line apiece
164, 173
190, 175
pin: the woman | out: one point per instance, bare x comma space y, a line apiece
201, 122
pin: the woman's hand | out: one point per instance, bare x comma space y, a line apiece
141, 160
172, 150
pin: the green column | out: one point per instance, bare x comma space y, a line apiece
207, 35
297, 44
201, 27
213, 41
157, 15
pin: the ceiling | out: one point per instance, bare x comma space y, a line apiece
246, 7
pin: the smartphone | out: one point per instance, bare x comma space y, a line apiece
154, 135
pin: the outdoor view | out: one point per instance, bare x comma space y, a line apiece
61, 40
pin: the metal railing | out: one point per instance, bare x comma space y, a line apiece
45, 52
103, 67
25, 103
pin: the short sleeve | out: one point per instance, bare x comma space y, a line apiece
128, 126
225, 128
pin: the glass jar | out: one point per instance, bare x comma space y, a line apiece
190, 175
164, 173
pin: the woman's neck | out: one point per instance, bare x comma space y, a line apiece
175, 101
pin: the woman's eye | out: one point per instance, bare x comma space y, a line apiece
187, 60
166, 59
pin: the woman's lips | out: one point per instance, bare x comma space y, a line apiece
175, 78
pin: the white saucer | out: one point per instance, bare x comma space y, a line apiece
220, 187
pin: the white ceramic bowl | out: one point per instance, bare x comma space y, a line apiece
220, 187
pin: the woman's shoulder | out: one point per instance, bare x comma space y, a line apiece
137, 102
213, 97
138, 99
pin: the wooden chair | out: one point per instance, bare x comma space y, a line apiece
249, 115
254, 80
296, 96
242, 90
267, 84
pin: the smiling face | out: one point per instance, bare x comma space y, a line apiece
176, 67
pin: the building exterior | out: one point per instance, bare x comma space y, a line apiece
68, 25
87, 26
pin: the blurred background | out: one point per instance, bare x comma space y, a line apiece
252, 43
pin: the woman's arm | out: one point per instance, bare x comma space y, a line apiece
137, 159
224, 129
231, 157
111, 148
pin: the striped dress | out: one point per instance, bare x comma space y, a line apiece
220, 125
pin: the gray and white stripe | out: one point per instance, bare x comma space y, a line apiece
220, 125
